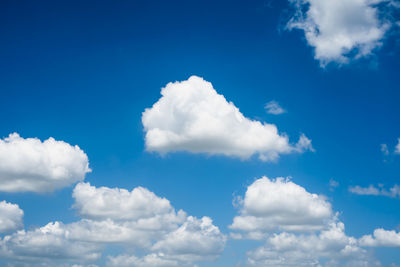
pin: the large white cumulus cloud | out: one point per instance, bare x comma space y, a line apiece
280, 204
136, 219
32, 165
191, 116
340, 30
10, 216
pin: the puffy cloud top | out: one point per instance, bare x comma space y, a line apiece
10, 216
340, 29
118, 204
36, 166
281, 204
381, 238
191, 116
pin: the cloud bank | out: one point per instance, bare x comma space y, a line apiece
32, 165
191, 116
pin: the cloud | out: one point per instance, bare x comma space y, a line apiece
136, 219
397, 149
36, 166
333, 184
393, 192
330, 247
340, 30
273, 107
381, 238
10, 217
191, 116
280, 204
384, 149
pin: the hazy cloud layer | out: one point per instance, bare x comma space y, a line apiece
191, 116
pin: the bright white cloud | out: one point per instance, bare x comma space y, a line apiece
10, 217
340, 30
281, 205
393, 192
273, 107
191, 116
36, 166
112, 216
381, 238
330, 247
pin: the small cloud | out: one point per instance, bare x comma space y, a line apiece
384, 149
333, 184
371, 190
397, 149
273, 107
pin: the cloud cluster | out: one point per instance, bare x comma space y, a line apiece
340, 30
32, 165
393, 192
381, 238
299, 228
10, 217
191, 116
136, 220
280, 204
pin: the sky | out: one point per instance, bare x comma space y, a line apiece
200, 133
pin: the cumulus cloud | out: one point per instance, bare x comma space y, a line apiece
191, 116
393, 192
280, 204
330, 247
273, 107
32, 165
381, 238
136, 219
340, 30
10, 217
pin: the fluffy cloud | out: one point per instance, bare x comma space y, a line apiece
191, 116
330, 247
32, 165
381, 238
280, 205
273, 107
136, 219
340, 30
10, 216
393, 192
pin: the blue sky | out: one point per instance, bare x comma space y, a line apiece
84, 73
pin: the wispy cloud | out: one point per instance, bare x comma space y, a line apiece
273, 107
393, 192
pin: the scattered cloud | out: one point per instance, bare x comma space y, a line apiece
384, 149
397, 149
393, 192
273, 107
10, 217
191, 116
32, 165
333, 184
112, 216
341, 30
280, 204
381, 238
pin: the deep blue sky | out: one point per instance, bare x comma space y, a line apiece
84, 71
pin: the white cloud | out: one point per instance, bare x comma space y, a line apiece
32, 165
150, 260
273, 107
340, 30
333, 184
281, 205
112, 216
330, 247
10, 216
191, 116
384, 149
381, 238
393, 192
397, 149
